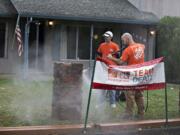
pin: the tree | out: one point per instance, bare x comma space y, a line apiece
168, 45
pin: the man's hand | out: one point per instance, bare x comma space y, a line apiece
117, 61
110, 56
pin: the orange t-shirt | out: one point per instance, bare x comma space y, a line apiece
108, 48
133, 54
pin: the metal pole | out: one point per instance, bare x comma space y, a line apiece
179, 99
89, 98
91, 45
26, 48
147, 103
77, 42
166, 100
147, 45
91, 41
37, 43
166, 106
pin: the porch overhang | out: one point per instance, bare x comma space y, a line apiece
108, 20
114, 11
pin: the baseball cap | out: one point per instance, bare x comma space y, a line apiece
108, 34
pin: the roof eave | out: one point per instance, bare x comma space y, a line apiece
93, 19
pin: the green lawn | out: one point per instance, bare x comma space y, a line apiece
25, 102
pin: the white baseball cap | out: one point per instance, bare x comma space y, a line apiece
108, 34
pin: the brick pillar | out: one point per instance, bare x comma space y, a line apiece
67, 94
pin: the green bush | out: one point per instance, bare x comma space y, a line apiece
168, 45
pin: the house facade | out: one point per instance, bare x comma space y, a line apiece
59, 30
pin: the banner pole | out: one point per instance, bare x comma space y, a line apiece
166, 106
89, 98
166, 101
179, 99
147, 103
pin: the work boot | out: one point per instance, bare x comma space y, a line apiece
126, 116
139, 117
113, 105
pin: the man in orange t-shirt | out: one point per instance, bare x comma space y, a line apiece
133, 54
106, 48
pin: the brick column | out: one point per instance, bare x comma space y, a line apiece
67, 94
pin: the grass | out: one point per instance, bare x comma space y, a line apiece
25, 103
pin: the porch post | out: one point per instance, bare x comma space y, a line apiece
26, 48
77, 42
37, 43
91, 45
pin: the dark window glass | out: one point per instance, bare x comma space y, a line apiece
84, 43
71, 42
2, 39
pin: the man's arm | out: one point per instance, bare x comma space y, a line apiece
117, 61
98, 51
98, 54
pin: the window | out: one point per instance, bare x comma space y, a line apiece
71, 42
78, 42
84, 43
2, 39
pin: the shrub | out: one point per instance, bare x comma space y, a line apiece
168, 45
